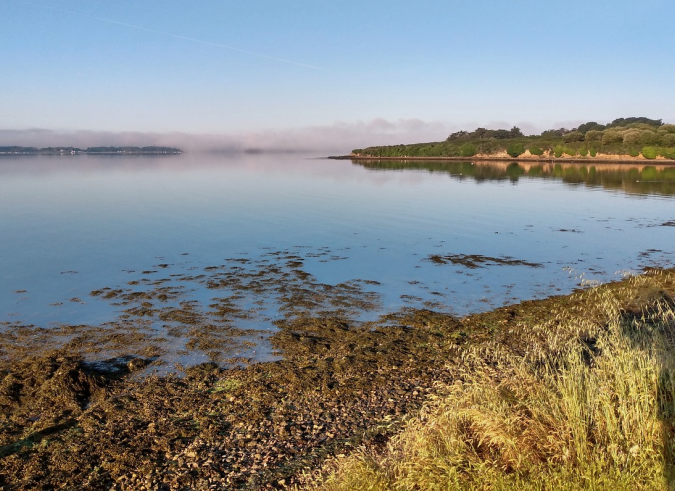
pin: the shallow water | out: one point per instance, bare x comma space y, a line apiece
504, 232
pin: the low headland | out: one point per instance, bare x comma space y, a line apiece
635, 139
18, 150
569, 392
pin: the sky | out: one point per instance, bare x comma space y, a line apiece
324, 73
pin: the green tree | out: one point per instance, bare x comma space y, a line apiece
458, 136
611, 136
515, 149
593, 135
573, 137
481, 133
640, 119
489, 147
631, 137
648, 137
650, 152
467, 150
515, 133
668, 140
501, 134
536, 150
591, 125
552, 133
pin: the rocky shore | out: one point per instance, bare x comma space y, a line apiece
67, 425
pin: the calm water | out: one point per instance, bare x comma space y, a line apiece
74, 224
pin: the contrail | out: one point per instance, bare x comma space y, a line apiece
171, 35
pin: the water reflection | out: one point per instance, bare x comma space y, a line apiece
631, 179
93, 244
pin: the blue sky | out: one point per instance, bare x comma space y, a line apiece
224, 67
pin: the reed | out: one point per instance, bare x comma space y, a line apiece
590, 405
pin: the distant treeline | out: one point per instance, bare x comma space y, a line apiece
13, 149
624, 136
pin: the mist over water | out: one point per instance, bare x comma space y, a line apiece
455, 237
336, 138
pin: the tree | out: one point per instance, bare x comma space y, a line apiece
501, 134
634, 119
488, 147
458, 135
650, 152
551, 133
593, 136
591, 125
467, 150
631, 137
573, 137
648, 137
515, 149
481, 133
668, 140
611, 136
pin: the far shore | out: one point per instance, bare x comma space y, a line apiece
605, 159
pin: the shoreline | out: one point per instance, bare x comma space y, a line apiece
264, 426
550, 160
69, 154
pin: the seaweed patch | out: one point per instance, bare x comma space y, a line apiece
479, 261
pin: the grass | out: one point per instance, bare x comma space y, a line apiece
226, 386
588, 405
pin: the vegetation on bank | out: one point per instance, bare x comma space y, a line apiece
631, 137
590, 404
15, 149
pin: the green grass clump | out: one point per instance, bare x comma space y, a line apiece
226, 385
589, 405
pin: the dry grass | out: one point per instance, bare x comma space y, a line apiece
589, 406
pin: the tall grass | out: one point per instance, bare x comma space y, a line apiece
590, 405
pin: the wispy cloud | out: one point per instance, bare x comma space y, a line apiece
171, 35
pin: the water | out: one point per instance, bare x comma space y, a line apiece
76, 224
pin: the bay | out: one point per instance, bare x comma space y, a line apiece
372, 237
